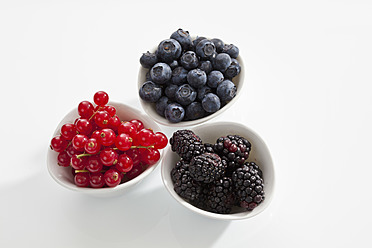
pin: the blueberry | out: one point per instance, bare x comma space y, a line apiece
161, 73
211, 103
231, 50
185, 94
161, 104
214, 79
189, 60
148, 59
205, 49
170, 91
206, 66
168, 50
174, 112
194, 111
197, 40
233, 70
183, 37
197, 78
203, 91
173, 64
179, 75
148, 76
150, 92
226, 90
221, 62
219, 44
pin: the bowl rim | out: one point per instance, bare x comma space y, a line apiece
103, 191
234, 216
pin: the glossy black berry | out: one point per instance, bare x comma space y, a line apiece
186, 144
206, 167
221, 196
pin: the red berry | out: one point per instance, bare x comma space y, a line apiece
92, 146
101, 118
58, 143
150, 156
114, 123
82, 179
94, 164
78, 163
124, 163
78, 142
123, 142
68, 131
134, 172
96, 134
112, 178
110, 109
108, 156
71, 151
128, 128
84, 126
96, 180
85, 109
138, 123
161, 140
63, 159
233, 148
134, 154
101, 98
107, 137
146, 137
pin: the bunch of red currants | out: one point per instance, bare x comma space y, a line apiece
103, 150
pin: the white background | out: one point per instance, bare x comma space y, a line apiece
308, 76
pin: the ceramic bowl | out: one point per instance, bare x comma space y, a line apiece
260, 154
63, 175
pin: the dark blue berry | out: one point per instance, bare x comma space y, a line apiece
179, 75
219, 44
206, 66
233, 70
174, 112
161, 73
170, 91
185, 94
211, 103
189, 60
161, 104
168, 50
197, 78
226, 90
197, 40
214, 79
205, 49
203, 91
148, 59
221, 62
174, 64
183, 37
194, 111
231, 50
150, 92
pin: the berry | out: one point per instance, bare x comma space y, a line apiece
58, 143
205, 49
148, 59
161, 104
63, 159
231, 50
189, 60
124, 164
108, 156
194, 111
206, 167
197, 78
168, 50
185, 94
85, 109
101, 98
174, 112
150, 156
78, 163
107, 137
221, 62
71, 151
81, 179
112, 178
206, 66
197, 40
92, 146
186, 144
138, 123
211, 103
203, 91
134, 154
214, 79
79, 141
183, 37
84, 126
128, 128
94, 164
218, 44
68, 131
146, 137
233, 70
221, 196
123, 142
161, 73
170, 91
102, 118
114, 123
161, 140
179, 75
226, 90
110, 109
96, 180
150, 92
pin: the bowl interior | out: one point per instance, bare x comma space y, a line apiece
63, 175
149, 108
260, 154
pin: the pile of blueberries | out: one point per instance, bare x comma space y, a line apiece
187, 78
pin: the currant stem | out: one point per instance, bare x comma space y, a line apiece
99, 108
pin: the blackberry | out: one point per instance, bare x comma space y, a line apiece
183, 183
206, 167
186, 144
221, 197
234, 149
248, 185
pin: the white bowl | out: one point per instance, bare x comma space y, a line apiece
149, 108
63, 175
209, 133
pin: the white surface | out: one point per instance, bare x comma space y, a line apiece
260, 154
307, 94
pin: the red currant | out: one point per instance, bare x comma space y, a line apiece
146, 137
96, 180
94, 164
68, 131
85, 109
134, 154
110, 109
92, 146
82, 179
134, 172
114, 123
78, 142
84, 126
112, 178
78, 163
128, 128
161, 140
58, 143
63, 159
101, 98
107, 136
123, 142
71, 151
101, 118
150, 156
108, 156
138, 123
124, 163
